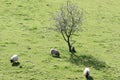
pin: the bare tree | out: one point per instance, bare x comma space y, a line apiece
67, 21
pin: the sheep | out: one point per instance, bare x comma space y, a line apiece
14, 59
86, 72
73, 49
54, 53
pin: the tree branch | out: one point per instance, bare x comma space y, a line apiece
64, 37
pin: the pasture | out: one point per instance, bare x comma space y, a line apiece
26, 30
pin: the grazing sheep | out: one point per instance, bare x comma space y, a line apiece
14, 59
87, 72
54, 53
73, 49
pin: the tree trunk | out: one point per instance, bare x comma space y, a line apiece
69, 45
71, 48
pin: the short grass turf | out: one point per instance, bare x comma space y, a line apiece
26, 30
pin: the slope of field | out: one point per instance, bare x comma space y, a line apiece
25, 29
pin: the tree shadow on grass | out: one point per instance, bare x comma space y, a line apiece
87, 60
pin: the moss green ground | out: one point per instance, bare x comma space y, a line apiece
25, 29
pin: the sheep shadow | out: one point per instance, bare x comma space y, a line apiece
16, 64
54, 56
87, 60
90, 78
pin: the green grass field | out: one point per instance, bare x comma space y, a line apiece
25, 29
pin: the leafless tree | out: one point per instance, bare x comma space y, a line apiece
68, 20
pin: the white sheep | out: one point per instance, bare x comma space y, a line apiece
14, 59
86, 72
54, 53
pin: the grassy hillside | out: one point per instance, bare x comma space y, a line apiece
25, 29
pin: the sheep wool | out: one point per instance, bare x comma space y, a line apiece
86, 72
14, 58
55, 52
